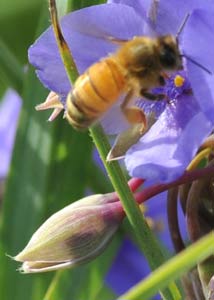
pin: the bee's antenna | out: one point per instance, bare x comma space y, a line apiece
197, 64
180, 29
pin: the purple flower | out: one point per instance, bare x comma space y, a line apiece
186, 118
128, 268
9, 112
165, 151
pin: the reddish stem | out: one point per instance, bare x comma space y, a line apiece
149, 192
135, 183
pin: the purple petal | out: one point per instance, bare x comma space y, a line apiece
85, 32
165, 151
9, 113
196, 43
141, 7
202, 85
157, 210
129, 267
114, 121
171, 14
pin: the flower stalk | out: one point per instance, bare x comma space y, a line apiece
65, 53
187, 177
147, 241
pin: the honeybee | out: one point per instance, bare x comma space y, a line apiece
136, 67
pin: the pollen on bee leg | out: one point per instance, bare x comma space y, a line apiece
179, 80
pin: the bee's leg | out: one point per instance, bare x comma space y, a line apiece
155, 97
162, 81
133, 114
150, 96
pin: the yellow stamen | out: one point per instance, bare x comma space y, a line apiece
178, 80
198, 158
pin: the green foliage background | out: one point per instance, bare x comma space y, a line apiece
52, 166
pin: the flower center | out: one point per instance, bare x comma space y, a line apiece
179, 81
176, 85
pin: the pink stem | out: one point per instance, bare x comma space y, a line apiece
149, 192
135, 183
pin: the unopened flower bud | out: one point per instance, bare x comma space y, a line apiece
74, 235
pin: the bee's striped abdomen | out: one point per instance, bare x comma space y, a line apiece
94, 93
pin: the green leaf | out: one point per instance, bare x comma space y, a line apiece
18, 22
99, 183
173, 269
11, 71
50, 168
23, 206
105, 294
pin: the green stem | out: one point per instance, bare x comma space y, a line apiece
65, 53
146, 239
52, 287
173, 269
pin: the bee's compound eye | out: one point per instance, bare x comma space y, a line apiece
168, 57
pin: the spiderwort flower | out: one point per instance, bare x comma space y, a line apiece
185, 119
74, 235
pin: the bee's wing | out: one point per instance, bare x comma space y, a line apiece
124, 141
127, 138
104, 35
116, 40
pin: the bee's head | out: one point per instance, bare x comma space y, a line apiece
169, 55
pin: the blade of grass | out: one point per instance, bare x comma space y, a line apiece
49, 167
11, 69
172, 269
99, 183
